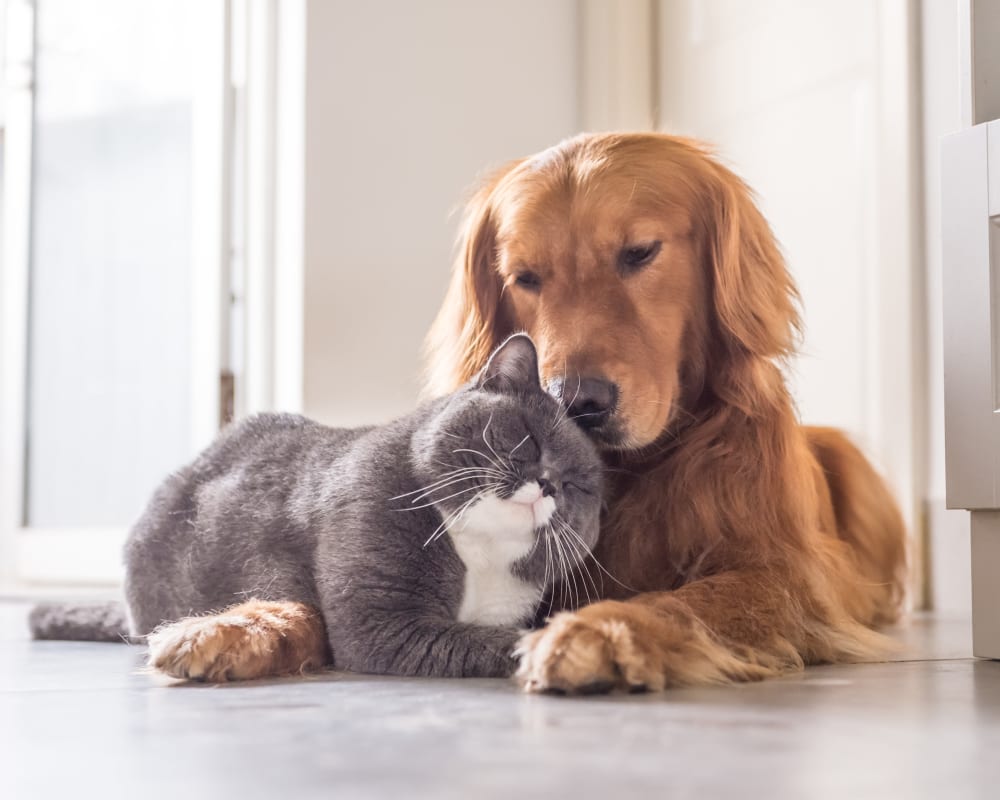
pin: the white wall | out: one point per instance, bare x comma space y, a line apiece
950, 554
405, 104
807, 100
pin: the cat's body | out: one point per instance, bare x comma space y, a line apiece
282, 508
371, 527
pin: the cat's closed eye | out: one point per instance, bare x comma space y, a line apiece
526, 450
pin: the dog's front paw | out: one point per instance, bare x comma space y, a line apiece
212, 648
595, 651
253, 640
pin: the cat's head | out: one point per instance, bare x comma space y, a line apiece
502, 460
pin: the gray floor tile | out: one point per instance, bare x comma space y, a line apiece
82, 720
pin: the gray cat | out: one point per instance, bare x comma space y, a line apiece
425, 543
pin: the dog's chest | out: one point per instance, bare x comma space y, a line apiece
489, 540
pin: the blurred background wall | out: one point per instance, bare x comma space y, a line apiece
289, 243
446, 89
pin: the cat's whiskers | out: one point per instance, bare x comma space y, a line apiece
559, 409
584, 552
454, 469
565, 594
499, 458
490, 488
463, 473
514, 448
569, 528
544, 534
478, 467
455, 516
435, 502
457, 468
481, 454
581, 551
548, 560
454, 481
564, 412
573, 559
557, 575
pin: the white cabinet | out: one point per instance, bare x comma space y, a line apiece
971, 235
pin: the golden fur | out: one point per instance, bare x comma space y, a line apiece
756, 545
254, 639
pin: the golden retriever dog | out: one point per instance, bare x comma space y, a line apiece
662, 310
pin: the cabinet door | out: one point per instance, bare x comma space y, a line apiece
971, 232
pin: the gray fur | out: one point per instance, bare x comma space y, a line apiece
83, 623
283, 508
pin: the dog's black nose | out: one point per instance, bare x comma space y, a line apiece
590, 401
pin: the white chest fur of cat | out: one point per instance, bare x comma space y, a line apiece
490, 537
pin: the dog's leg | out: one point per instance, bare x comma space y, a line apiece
735, 626
255, 639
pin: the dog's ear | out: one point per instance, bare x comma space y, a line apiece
755, 299
471, 321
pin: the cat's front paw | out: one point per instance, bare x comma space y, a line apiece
251, 640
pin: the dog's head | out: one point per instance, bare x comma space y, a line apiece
641, 268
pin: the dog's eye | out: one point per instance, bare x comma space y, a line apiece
529, 281
633, 258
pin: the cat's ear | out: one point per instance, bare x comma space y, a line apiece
512, 367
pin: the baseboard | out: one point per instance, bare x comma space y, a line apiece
948, 559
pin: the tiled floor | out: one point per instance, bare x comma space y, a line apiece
79, 721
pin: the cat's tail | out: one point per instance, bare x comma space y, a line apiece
104, 622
